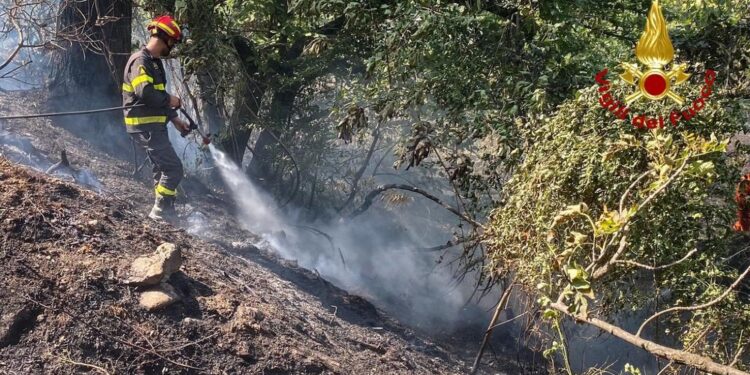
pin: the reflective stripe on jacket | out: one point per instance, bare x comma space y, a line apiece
145, 82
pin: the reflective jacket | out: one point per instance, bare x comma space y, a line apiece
145, 83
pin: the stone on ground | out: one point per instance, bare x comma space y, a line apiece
157, 267
159, 297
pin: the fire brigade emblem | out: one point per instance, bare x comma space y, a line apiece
655, 51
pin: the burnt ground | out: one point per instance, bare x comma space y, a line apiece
64, 309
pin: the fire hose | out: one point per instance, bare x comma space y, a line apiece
192, 125
58, 114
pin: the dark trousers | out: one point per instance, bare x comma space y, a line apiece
167, 167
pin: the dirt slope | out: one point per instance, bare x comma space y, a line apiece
64, 309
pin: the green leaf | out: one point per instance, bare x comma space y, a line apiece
574, 272
550, 314
569, 212
578, 238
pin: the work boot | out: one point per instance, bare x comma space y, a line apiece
163, 209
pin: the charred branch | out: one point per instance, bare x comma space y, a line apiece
362, 169
369, 199
295, 189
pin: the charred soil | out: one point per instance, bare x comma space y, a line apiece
65, 252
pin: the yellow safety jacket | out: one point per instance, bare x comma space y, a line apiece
145, 83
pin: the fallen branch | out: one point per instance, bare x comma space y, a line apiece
81, 364
500, 307
678, 356
383, 188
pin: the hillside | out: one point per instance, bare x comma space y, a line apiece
65, 252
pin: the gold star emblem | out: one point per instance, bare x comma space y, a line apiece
655, 51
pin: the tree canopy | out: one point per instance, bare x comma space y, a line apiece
583, 211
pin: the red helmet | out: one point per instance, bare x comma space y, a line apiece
168, 25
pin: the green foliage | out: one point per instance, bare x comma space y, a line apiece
496, 96
682, 200
632, 370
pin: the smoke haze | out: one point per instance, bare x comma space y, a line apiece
375, 255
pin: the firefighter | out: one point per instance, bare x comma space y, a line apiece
145, 83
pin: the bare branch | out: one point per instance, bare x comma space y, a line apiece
623, 245
295, 189
327, 237
631, 187
500, 307
447, 245
600, 272
362, 169
737, 356
13, 55
8, 74
690, 347
696, 307
657, 268
81, 364
678, 356
666, 184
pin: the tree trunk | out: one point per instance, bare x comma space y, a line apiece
266, 148
208, 102
90, 68
247, 102
98, 44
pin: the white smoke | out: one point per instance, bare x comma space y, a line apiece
374, 255
20, 150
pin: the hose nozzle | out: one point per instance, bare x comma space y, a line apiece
206, 140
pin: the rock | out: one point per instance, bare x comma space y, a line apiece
155, 268
246, 319
244, 351
192, 322
158, 297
